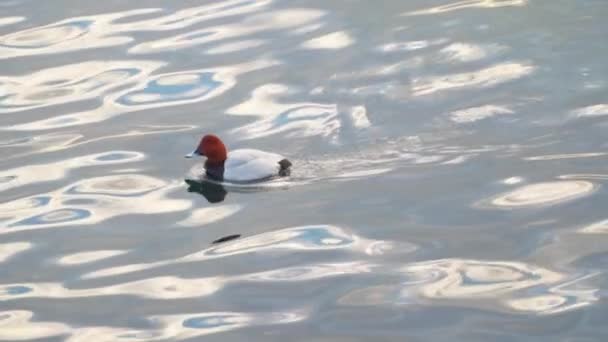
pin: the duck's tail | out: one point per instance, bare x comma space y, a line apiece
284, 167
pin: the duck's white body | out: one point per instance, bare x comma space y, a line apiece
247, 165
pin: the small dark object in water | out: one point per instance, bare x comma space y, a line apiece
227, 238
285, 168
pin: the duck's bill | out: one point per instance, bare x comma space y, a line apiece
192, 154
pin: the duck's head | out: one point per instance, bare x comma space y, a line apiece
211, 147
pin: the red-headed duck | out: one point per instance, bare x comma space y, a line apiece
243, 165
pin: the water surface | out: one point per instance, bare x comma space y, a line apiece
449, 176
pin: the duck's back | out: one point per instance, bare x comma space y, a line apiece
251, 165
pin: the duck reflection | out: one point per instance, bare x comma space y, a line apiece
213, 192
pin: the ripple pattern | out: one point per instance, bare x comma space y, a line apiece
544, 194
448, 181
495, 285
92, 201
483, 78
69, 83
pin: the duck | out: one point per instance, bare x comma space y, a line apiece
241, 165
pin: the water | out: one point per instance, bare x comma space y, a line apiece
449, 170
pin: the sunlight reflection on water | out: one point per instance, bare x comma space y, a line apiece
487, 77
448, 179
543, 194
499, 282
460, 5
92, 201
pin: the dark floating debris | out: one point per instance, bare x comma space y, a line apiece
227, 238
285, 168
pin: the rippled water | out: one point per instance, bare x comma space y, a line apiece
450, 161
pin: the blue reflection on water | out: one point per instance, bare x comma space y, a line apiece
40, 201
294, 114
17, 290
55, 216
209, 322
198, 85
320, 236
